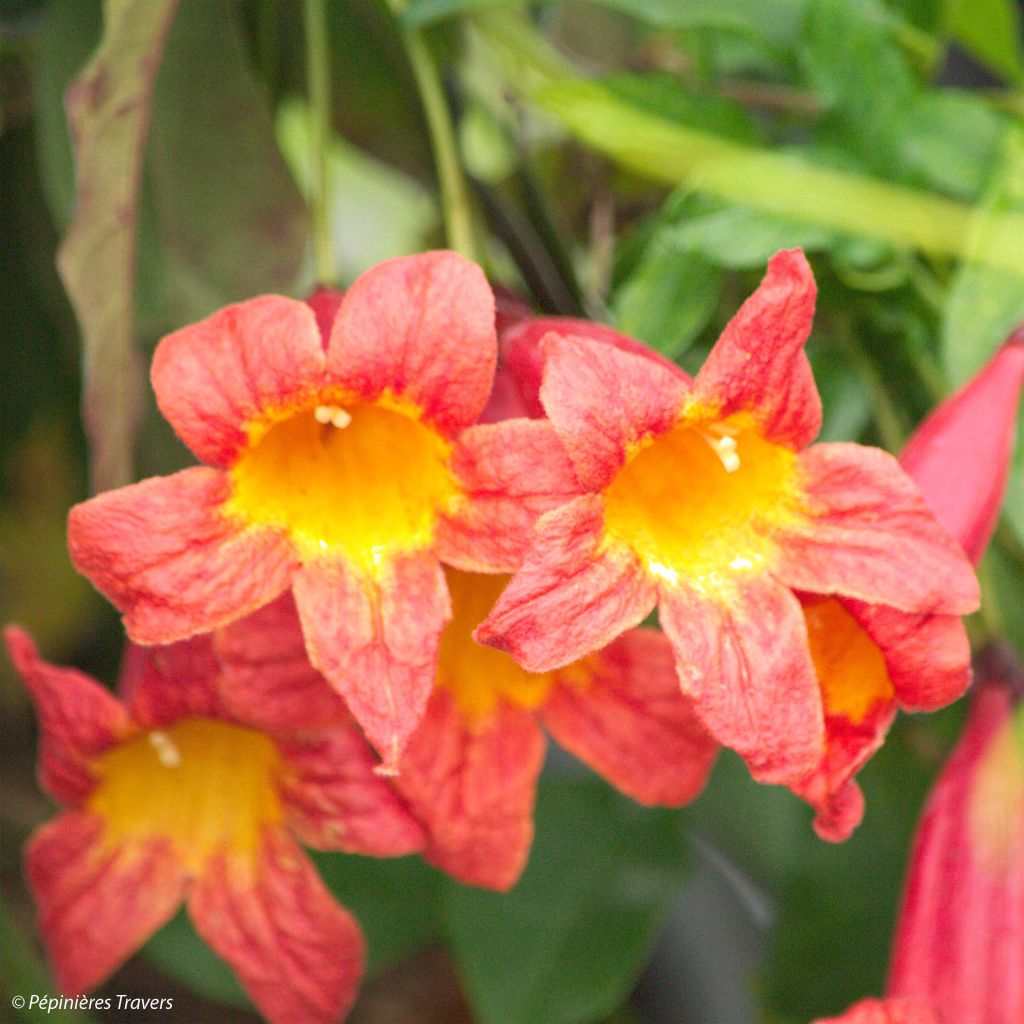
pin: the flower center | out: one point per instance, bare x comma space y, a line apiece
358, 480
206, 786
704, 501
850, 668
478, 676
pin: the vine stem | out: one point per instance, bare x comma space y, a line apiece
455, 197
318, 86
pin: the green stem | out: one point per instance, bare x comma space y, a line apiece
318, 85
455, 201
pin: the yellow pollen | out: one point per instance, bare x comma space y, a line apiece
849, 665
705, 501
359, 481
478, 676
206, 786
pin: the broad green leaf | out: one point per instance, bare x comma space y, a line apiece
668, 299
566, 944
181, 954
780, 183
378, 211
394, 899
70, 33
991, 30
224, 218
108, 108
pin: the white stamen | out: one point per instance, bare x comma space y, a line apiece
167, 753
722, 441
333, 414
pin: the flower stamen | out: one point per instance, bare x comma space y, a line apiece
333, 414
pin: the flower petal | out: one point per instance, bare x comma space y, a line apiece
173, 682
870, 536
165, 555
759, 365
97, 903
960, 455
509, 474
78, 718
375, 638
603, 401
928, 656
214, 378
473, 787
621, 712
744, 661
296, 952
421, 328
830, 789
334, 800
268, 681
522, 356
572, 595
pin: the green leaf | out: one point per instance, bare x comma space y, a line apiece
70, 33
990, 30
108, 106
986, 303
224, 217
395, 900
566, 944
179, 952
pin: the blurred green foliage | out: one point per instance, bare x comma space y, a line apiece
637, 161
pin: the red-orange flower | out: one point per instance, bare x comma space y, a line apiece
960, 935
340, 466
704, 499
169, 797
469, 772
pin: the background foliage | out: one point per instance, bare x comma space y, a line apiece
635, 161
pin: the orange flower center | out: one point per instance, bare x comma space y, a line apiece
478, 676
206, 786
357, 480
851, 670
703, 501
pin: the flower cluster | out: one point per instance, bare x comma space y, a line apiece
401, 563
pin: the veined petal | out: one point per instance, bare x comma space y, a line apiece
509, 474
960, 455
885, 1011
959, 939
295, 951
268, 681
620, 711
165, 555
522, 356
744, 661
473, 787
603, 401
830, 789
173, 682
375, 638
236, 367
78, 719
928, 656
758, 365
420, 328
334, 800
871, 536
572, 595
97, 903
